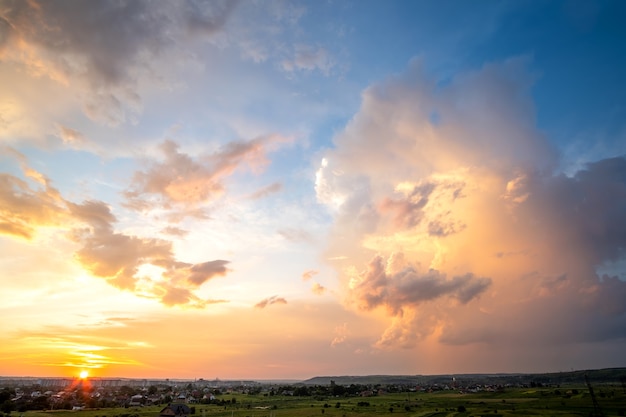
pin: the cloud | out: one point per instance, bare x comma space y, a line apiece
200, 273
296, 235
449, 196
103, 49
23, 208
341, 334
175, 231
173, 296
184, 184
269, 301
309, 58
318, 289
376, 287
265, 191
307, 275
117, 258
71, 137
102, 251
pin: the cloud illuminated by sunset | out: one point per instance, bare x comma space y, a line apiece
290, 189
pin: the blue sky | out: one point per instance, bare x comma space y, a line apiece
336, 187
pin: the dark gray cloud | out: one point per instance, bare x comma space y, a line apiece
589, 208
583, 218
410, 288
109, 46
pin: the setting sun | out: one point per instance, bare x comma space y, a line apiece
84, 374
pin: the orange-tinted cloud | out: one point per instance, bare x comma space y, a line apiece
341, 334
23, 209
70, 137
175, 231
307, 275
102, 251
184, 184
450, 217
318, 289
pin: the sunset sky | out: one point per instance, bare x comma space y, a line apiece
284, 189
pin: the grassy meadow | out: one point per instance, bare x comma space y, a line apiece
511, 402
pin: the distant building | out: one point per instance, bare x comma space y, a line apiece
175, 410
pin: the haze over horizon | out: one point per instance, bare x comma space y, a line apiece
287, 189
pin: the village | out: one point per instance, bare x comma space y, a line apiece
179, 397
592, 392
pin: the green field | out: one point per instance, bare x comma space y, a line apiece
511, 402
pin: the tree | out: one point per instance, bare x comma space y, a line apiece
5, 395
7, 406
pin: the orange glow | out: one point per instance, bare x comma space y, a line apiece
84, 374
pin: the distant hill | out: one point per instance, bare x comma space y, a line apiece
598, 376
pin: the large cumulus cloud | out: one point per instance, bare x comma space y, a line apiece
451, 215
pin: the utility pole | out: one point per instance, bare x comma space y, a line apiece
597, 411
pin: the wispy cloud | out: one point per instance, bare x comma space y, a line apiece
307, 275
184, 184
309, 58
266, 191
341, 334
266, 302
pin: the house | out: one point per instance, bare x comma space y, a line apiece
175, 410
136, 401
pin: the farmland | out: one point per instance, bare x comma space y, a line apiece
563, 401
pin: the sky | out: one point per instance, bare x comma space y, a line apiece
287, 189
